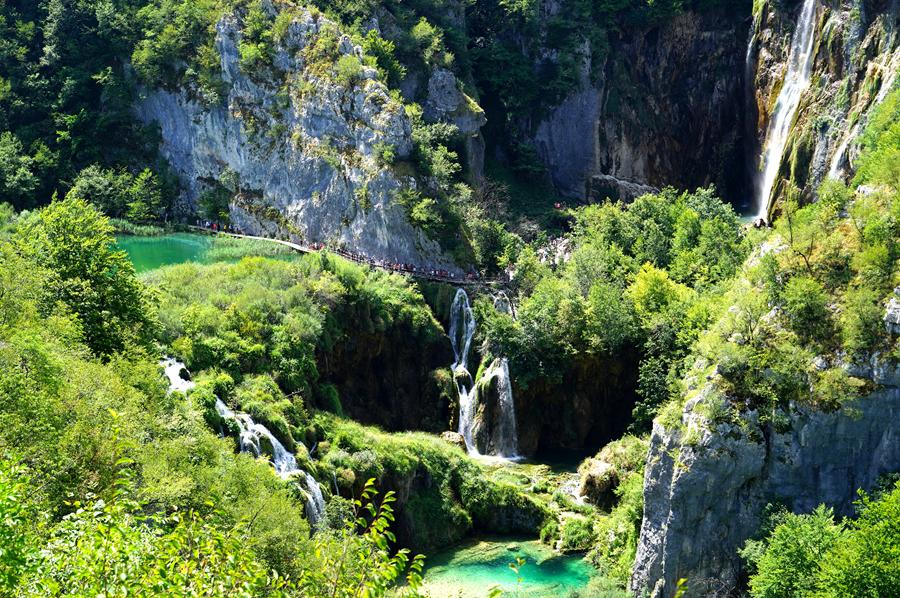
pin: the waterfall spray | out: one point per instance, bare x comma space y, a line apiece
796, 81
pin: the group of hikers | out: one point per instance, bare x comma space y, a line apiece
400, 266
360, 258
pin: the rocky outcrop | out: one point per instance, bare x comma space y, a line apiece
666, 109
706, 483
446, 102
857, 58
297, 145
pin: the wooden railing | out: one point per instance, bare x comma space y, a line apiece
436, 275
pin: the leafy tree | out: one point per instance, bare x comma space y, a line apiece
790, 563
17, 181
866, 560
861, 320
106, 189
806, 306
89, 276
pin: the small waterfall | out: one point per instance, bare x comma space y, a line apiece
462, 330
796, 81
503, 304
315, 502
251, 439
840, 160
505, 438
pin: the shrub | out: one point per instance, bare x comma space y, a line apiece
577, 534
806, 307
347, 70
861, 320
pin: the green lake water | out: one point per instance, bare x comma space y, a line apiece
471, 569
150, 253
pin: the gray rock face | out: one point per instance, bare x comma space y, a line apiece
605, 186
892, 314
666, 108
301, 146
704, 495
445, 102
567, 142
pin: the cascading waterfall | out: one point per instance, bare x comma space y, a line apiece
504, 438
462, 330
251, 440
796, 81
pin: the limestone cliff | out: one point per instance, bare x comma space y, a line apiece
856, 61
707, 481
667, 108
297, 145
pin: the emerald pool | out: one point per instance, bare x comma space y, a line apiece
470, 569
151, 252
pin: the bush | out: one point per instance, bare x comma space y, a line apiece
861, 320
347, 71
577, 534
806, 307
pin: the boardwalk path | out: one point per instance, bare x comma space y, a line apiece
414, 272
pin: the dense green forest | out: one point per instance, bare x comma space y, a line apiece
115, 483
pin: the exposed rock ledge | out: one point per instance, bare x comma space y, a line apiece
303, 147
704, 498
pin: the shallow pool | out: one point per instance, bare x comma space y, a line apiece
150, 253
471, 569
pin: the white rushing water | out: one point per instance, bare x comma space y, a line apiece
462, 330
254, 438
504, 437
796, 81
173, 369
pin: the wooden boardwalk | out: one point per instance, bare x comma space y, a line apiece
414, 272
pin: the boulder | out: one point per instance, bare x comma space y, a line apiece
454, 438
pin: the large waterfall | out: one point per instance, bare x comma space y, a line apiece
254, 438
504, 438
796, 81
